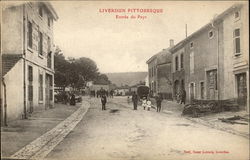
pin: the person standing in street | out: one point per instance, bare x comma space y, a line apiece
103, 101
183, 96
144, 102
158, 99
148, 104
72, 99
135, 100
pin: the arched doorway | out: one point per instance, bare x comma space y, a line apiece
176, 89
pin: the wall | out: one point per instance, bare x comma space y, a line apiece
14, 91
39, 25
164, 78
12, 30
205, 52
152, 78
180, 74
235, 64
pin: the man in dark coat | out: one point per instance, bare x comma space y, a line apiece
183, 96
72, 100
135, 100
158, 99
104, 101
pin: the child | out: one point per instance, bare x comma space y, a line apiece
148, 104
144, 102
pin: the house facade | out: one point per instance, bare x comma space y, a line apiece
159, 73
212, 63
28, 58
236, 54
152, 74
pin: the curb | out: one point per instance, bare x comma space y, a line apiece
41, 147
218, 127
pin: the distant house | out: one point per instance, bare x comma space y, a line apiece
27, 58
159, 73
121, 91
96, 87
213, 62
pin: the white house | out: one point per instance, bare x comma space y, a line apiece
27, 58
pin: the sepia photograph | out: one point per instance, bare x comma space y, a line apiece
124, 80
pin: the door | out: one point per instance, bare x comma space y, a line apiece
177, 90
47, 91
211, 84
241, 89
30, 89
191, 92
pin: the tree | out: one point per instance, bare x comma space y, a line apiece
76, 72
61, 69
102, 79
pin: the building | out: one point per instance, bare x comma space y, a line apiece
97, 87
147, 81
212, 63
236, 54
28, 58
159, 73
122, 91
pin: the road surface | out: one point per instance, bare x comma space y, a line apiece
123, 133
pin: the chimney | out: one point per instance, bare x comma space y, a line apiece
171, 43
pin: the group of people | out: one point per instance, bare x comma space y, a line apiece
101, 92
146, 103
68, 97
181, 97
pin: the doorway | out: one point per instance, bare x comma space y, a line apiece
241, 89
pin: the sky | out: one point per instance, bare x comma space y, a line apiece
124, 45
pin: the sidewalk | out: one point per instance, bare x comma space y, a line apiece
211, 120
19, 133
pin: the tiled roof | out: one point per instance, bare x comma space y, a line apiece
9, 60
216, 19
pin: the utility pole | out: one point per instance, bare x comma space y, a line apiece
186, 30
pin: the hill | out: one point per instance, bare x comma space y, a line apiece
129, 78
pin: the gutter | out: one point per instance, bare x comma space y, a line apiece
5, 103
24, 68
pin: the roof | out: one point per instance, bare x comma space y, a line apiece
9, 61
51, 9
162, 57
216, 20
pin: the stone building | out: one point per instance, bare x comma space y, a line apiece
212, 63
28, 58
159, 73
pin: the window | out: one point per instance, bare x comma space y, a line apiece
182, 84
49, 45
210, 34
30, 92
30, 73
237, 15
176, 63
40, 10
48, 22
51, 94
192, 62
237, 41
30, 86
49, 60
191, 45
202, 90
40, 87
40, 43
182, 61
30, 34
